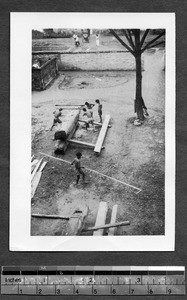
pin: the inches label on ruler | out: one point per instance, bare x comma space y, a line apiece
92, 280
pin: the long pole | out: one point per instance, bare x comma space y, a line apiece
96, 172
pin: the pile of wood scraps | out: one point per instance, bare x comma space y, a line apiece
37, 166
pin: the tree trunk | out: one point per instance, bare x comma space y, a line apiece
139, 103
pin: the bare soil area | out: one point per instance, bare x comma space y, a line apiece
134, 155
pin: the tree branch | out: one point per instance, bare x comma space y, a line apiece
162, 42
129, 39
144, 37
154, 40
121, 41
130, 36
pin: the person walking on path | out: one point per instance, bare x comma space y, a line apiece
78, 167
99, 109
56, 119
89, 107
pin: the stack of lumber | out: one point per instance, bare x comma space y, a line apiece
37, 166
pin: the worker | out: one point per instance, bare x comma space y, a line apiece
78, 167
89, 107
99, 109
77, 43
89, 119
56, 119
97, 39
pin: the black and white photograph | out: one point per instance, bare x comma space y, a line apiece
95, 125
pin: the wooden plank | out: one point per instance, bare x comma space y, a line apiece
101, 227
102, 134
35, 182
36, 168
95, 123
36, 178
50, 216
33, 164
76, 142
101, 217
43, 166
112, 230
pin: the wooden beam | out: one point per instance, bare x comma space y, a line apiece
102, 134
36, 179
100, 219
50, 216
95, 123
75, 142
102, 227
33, 164
70, 105
112, 230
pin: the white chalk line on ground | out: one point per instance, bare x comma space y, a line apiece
103, 175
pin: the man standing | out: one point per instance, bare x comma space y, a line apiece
99, 109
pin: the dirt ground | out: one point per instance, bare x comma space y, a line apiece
132, 154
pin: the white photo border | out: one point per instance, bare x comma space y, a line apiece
20, 132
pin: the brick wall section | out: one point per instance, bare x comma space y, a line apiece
96, 61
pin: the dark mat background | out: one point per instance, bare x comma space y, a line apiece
179, 256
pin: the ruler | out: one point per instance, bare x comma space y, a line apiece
93, 280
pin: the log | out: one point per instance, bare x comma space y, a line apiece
76, 142
101, 217
125, 223
50, 216
102, 134
69, 125
112, 230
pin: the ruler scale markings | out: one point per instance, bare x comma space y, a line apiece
97, 280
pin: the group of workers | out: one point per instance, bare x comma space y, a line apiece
87, 112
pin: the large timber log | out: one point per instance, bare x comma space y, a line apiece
66, 130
